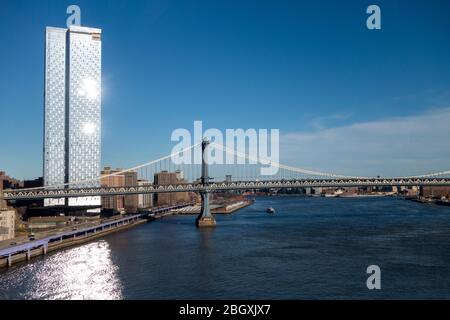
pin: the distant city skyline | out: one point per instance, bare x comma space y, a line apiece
346, 99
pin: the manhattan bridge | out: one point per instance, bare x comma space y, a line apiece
208, 178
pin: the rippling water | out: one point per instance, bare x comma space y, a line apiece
85, 272
312, 248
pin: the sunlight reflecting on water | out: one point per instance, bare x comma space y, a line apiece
313, 248
85, 272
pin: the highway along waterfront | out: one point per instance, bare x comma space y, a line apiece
311, 248
26, 250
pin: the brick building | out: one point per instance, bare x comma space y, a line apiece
114, 203
2, 202
7, 224
145, 200
435, 192
119, 203
131, 202
170, 178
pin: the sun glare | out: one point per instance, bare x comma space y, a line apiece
89, 128
89, 89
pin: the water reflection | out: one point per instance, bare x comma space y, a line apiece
313, 248
85, 272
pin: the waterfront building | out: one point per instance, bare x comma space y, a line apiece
72, 117
164, 178
313, 191
7, 224
435, 192
412, 191
114, 203
170, 178
2, 202
145, 200
112, 178
9, 182
36, 183
131, 201
49, 222
6, 182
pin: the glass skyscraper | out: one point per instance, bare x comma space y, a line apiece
72, 134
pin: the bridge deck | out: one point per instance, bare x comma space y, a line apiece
222, 186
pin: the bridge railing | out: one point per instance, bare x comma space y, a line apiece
223, 186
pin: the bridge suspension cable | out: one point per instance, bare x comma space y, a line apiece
264, 161
429, 175
195, 171
116, 173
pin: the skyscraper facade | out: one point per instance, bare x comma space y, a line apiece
72, 111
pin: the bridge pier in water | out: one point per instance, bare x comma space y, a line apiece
205, 218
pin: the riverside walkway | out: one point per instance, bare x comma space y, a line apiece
27, 250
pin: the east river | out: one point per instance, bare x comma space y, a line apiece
311, 248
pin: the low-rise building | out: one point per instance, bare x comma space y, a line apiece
49, 222
10, 183
145, 200
2, 202
7, 224
36, 183
435, 192
411, 191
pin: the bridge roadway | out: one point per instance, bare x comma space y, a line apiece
221, 186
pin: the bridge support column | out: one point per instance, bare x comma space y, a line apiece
9, 260
28, 255
205, 219
44, 249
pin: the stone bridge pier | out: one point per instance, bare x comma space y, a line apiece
205, 218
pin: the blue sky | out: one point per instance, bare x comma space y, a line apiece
311, 69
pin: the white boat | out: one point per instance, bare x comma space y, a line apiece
330, 195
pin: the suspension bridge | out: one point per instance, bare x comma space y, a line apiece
208, 177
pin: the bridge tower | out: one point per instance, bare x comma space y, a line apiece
205, 219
